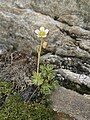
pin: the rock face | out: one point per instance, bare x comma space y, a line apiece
68, 48
72, 12
78, 78
71, 103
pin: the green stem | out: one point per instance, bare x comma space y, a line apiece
39, 53
38, 63
38, 87
33, 94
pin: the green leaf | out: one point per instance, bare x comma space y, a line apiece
47, 71
37, 79
54, 84
46, 89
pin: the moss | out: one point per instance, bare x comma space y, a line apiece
14, 108
40, 112
5, 87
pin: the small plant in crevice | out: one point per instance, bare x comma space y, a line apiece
43, 80
44, 77
42, 33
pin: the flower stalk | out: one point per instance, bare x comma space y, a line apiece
42, 33
39, 53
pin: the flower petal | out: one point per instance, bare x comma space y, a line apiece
37, 31
46, 31
38, 36
42, 29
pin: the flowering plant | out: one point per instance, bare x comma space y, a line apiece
43, 78
42, 33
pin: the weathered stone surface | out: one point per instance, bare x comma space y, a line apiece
72, 69
20, 31
3, 49
77, 78
72, 12
72, 103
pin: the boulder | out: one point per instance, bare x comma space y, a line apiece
77, 78
72, 103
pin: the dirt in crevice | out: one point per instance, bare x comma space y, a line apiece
81, 89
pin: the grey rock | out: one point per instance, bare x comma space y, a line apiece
74, 77
85, 44
27, 93
51, 58
21, 24
72, 12
72, 103
3, 49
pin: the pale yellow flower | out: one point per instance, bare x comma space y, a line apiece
42, 32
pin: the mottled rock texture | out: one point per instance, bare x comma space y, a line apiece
68, 48
71, 103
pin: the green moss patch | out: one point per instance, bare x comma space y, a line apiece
14, 108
